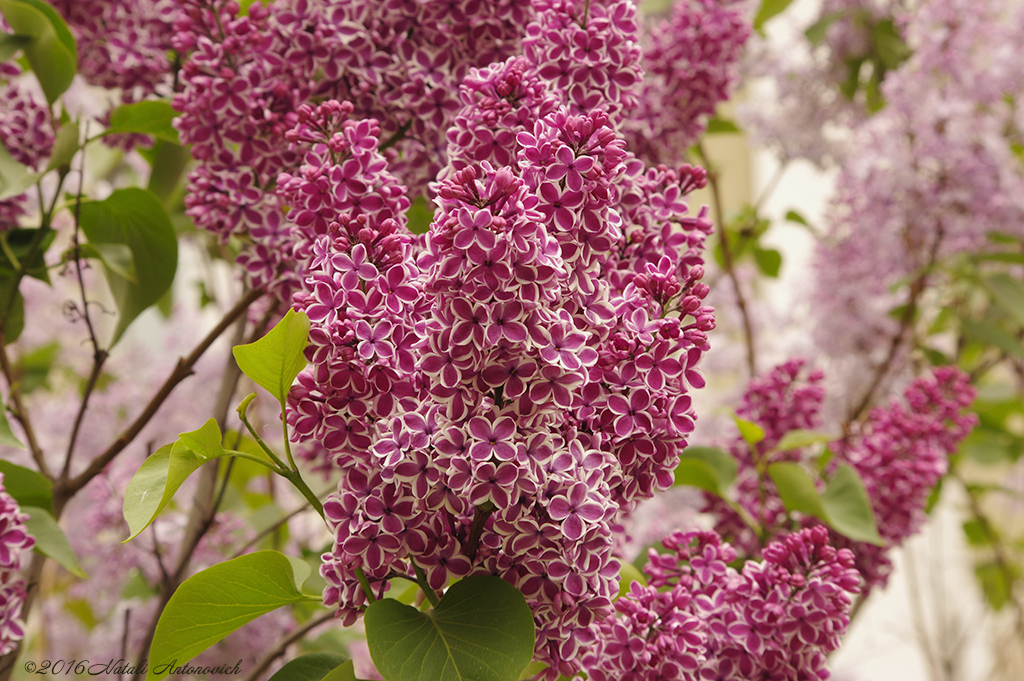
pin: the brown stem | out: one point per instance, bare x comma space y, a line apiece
63, 492
476, 530
730, 265
18, 411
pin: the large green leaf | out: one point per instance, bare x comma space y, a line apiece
159, 477
275, 360
15, 177
135, 218
482, 630
215, 602
151, 117
309, 667
26, 486
708, 468
50, 539
9, 44
796, 489
848, 507
51, 50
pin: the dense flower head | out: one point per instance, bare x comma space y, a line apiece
14, 539
123, 45
26, 133
587, 51
900, 452
502, 409
698, 618
690, 62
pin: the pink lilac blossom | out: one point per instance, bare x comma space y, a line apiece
488, 404
14, 540
691, 63
587, 52
123, 45
701, 619
900, 452
26, 133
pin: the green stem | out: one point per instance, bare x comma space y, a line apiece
250, 457
365, 583
421, 579
300, 484
263, 445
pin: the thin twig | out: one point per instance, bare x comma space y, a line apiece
730, 265
181, 371
279, 650
18, 411
273, 528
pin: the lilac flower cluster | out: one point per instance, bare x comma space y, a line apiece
691, 63
26, 133
701, 619
587, 52
900, 452
13, 541
494, 405
122, 45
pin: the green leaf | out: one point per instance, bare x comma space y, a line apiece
9, 44
26, 486
995, 583
796, 217
708, 468
1008, 294
848, 507
162, 473
15, 178
134, 218
50, 539
34, 367
991, 334
768, 261
718, 125
798, 439
275, 360
768, 9
345, 672
990, 446
7, 436
420, 215
65, 146
816, 32
482, 630
797, 489
975, 532
309, 667
889, 45
215, 602
169, 164
628, 574
51, 50
151, 117
749, 431
115, 257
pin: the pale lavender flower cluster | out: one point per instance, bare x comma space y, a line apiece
14, 539
691, 63
900, 452
701, 619
26, 133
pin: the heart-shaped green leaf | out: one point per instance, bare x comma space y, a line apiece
275, 360
309, 667
848, 507
50, 50
215, 602
482, 630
